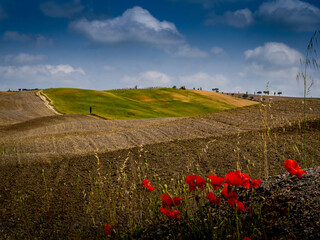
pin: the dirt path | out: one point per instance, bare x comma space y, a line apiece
47, 102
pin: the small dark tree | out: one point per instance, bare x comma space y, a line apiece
215, 89
245, 95
174, 86
183, 87
279, 93
259, 92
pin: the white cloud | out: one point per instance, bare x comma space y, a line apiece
63, 69
2, 13
65, 10
274, 54
190, 52
294, 14
37, 39
23, 58
218, 51
148, 79
134, 25
49, 75
291, 14
205, 81
275, 63
240, 18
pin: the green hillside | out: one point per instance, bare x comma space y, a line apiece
134, 103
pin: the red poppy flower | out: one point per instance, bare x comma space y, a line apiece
147, 185
216, 181
108, 229
238, 179
233, 201
168, 201
228, 193
170, 214
195, 181
255, 183
213, 199
246, 238
293, 168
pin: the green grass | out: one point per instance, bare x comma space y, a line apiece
134, 103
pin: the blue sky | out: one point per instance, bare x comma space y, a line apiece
235, 45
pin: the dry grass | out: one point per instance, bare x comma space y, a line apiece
226, 98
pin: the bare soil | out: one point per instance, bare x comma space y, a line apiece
21, 106
64, 146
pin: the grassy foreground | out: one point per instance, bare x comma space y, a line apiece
134, 103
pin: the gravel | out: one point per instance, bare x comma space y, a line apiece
292, 205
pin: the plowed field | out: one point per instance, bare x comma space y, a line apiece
33, 139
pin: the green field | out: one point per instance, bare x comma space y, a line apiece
134, 103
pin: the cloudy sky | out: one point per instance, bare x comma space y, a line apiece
235, 45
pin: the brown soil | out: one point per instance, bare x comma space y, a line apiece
21, 106
64, 147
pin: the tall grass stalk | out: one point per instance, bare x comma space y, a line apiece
264, 116
310, 62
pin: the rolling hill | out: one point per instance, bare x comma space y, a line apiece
140, 103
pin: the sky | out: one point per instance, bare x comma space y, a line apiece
233, 45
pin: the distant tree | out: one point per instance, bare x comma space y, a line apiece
215, 89
174, 86
201, 88
259, 92
183, 87
279, 93
266, 92
19, 89
136, 87
245, 95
